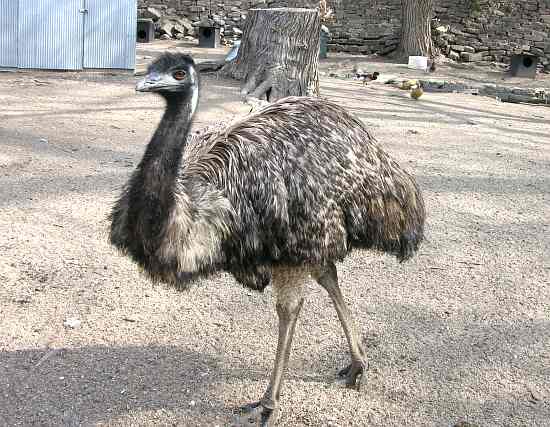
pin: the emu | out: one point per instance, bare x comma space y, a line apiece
277, 198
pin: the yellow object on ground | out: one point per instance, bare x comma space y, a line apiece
416, 92
408, 84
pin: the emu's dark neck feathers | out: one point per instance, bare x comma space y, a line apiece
161, 161
153, 186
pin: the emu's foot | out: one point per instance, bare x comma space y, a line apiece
353, 374
255, 414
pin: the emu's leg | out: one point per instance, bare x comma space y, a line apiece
288, 287
327, 277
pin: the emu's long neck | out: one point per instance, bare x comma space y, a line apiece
162, 159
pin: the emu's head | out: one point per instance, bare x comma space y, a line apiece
172, 75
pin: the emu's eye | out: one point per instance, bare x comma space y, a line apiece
179, 75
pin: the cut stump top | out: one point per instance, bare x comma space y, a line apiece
285, 9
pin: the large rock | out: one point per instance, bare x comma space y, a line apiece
454, 55
174, 26
470, 57
164, 26
188, 25
538, 36
152, 13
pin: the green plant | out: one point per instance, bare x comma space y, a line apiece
475, 7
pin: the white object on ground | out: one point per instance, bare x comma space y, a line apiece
233, 52
72, 323
418, 62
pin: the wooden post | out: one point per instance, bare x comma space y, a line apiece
279, 54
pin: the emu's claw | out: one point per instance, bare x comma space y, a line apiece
353, 374
255, 414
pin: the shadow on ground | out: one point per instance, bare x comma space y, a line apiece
91, 385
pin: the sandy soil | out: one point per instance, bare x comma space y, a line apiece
472, 75
462, 332
343, 64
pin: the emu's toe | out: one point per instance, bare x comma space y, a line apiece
352, 374
255, 414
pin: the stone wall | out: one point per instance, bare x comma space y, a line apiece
485, 30
365, 26
228, 13
467, 30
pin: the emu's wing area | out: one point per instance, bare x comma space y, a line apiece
306, 183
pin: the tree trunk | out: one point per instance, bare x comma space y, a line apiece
416, 32
279, 54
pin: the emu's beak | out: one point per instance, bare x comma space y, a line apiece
151, 82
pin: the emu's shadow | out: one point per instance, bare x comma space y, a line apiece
90, 385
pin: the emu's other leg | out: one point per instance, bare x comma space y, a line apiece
327, 277
288, 286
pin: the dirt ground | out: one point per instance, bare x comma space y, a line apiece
460, 333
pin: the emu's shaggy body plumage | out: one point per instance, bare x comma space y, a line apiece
276, 197
300, 182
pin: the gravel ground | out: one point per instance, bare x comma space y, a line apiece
460, 333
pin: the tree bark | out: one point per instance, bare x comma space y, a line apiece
416, 32
279, 54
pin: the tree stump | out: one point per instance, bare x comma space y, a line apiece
279, 54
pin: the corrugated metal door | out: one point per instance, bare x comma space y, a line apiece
110, 34
8, 33
50, 34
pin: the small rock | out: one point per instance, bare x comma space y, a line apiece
72, 322
465, 424
43, 140
457, 47
536, 396
192, 403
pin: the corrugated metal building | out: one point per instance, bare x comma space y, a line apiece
68, 34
